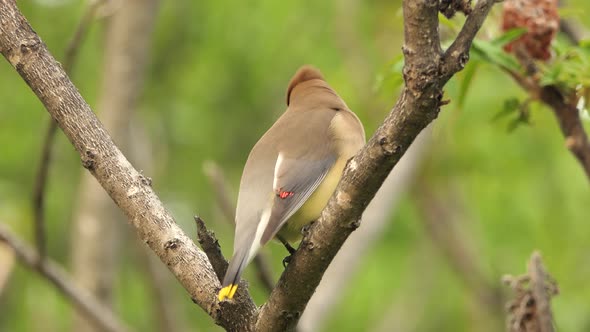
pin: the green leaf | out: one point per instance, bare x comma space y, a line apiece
509, 36
510, 107
494, 54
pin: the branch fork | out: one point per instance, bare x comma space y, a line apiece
426, 72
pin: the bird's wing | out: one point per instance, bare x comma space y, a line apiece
295, 180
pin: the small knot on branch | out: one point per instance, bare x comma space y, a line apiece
463, 59
29, 45
145, 180
388, 147
354, 224
172, 244
88, 159
290, 316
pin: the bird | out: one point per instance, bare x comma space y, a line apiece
293, 170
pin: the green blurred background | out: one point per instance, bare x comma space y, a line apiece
216, 81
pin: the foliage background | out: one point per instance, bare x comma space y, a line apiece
217, 81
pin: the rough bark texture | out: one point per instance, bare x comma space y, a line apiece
375, 218
530, 310
130, 190
427, 70
97, 231
568, 118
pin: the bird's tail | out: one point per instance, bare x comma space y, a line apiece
232, 277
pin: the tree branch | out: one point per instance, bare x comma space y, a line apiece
568, 118
530, 311
440, 213
418, 105
457, 55
211, 247
82, 300
573, 30
130, 190
562, 106
377, 216
97, 230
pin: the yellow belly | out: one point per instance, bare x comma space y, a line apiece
314, 205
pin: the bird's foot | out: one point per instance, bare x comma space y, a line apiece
287, 260
289, 248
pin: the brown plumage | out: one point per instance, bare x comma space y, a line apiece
293, 169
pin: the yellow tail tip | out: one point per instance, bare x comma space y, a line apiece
227, 292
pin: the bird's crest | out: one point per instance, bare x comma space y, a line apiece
305, 73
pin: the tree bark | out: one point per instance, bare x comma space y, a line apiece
427, 70
375, 218
130, 189
97, 229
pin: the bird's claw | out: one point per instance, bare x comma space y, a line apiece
287, 260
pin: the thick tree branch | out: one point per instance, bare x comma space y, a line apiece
82, 300
130, 190
418, 105
377, 216
97, 229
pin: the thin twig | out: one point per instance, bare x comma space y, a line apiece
264, 271
39, 189
530, 310
80, 298
573, 30
222, 195
439, 216
211, 247
565, 111
70, 56
540, 280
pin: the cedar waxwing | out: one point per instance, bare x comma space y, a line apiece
293, 170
